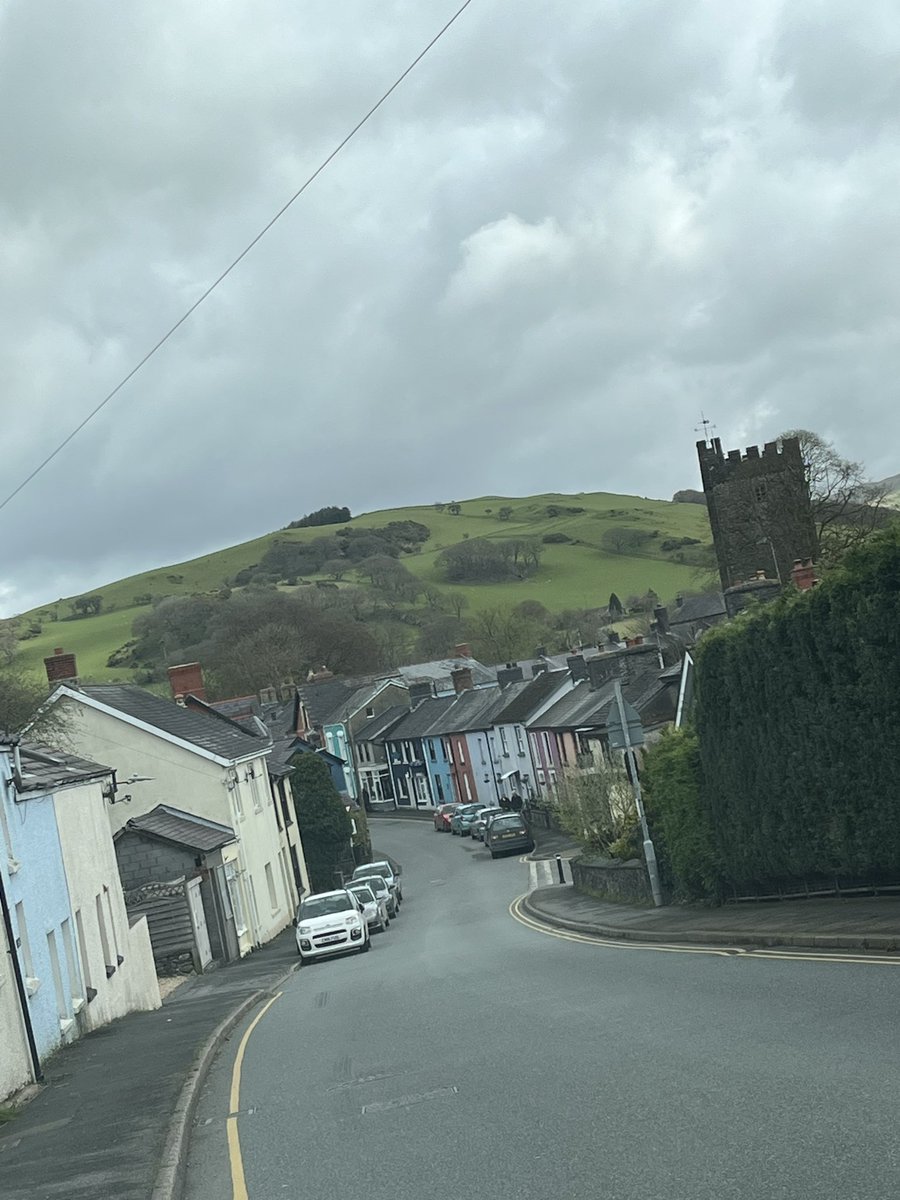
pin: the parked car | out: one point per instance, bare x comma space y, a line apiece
466, 821
379, 886
442, 817
462, 811
482, 820
389, 870
330, 923
374, 907
507, 832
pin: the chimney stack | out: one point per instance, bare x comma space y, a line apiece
423, 690
803, 573
601, 670
463, 650
511, 673
578, 668
60, 667
462, 679
661, 616
187, 680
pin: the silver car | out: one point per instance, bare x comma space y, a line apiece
484, 819
374, 907
379, 886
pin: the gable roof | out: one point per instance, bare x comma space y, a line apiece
376, 729
207, 731
45, 769
418, 721
440, 671
184, 829
584, 708
698, 608
470, 710
520, 705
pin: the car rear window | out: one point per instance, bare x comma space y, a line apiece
364, 892
507, 823
376, 881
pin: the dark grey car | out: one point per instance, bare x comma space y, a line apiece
507, 833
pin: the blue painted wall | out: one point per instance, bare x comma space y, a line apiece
440, 776
40, 886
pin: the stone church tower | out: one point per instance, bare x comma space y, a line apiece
759, 509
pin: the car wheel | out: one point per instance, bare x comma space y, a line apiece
493, 854
302, 962
383, 927
366, 946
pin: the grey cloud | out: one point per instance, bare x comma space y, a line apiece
556, 243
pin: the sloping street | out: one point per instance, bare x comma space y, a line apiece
469, 1055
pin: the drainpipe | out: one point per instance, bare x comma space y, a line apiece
36, 1071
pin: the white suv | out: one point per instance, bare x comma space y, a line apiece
330, 923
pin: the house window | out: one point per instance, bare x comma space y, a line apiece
270, 884
468, 789
236, 798
83, 952
460, 746
254, 910
760, 490
520, 740
447, 748
112, 925
481, 750
24, 943
254, 790
370, 711
234, 894
62, 1004
285, 879
69, 952
408, 748
431, 753
546, 736
504, 746
440, 789
104, 938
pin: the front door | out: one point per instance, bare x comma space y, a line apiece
198, 923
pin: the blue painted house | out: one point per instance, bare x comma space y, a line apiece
418, 758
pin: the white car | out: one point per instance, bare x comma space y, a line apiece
330, 923
379, 886
389, 871
374, 907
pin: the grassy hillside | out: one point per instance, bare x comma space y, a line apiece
571, 575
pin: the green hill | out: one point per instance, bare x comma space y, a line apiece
574, 574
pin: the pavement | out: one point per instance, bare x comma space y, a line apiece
849, 923
108, 1120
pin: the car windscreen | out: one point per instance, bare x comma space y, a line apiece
324, 906
380, 868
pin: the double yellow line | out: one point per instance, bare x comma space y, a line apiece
517, 912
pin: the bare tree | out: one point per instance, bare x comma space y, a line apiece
846, 507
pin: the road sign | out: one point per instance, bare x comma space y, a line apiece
616, 731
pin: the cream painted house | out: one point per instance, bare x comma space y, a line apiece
200, 762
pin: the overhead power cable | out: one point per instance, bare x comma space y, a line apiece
231, 266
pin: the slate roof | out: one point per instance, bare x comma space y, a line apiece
184, 829
582, 708
324, 696
440, 671
470, 710
698, 608
44, 768
418, 721
519, 705
207, 730
376, 729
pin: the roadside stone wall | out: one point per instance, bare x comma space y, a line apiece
609, 879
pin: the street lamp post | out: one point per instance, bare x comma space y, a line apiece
627, 745
768, 541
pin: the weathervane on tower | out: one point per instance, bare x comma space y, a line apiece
706, 426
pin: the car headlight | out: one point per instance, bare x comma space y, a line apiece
304, 930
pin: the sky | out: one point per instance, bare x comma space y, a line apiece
570, 232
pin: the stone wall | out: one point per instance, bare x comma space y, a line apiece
609, 879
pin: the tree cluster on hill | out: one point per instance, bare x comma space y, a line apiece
483, 560
256, 639
689, 496
287, 560
330, 515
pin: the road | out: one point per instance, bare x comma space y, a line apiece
469, 1056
